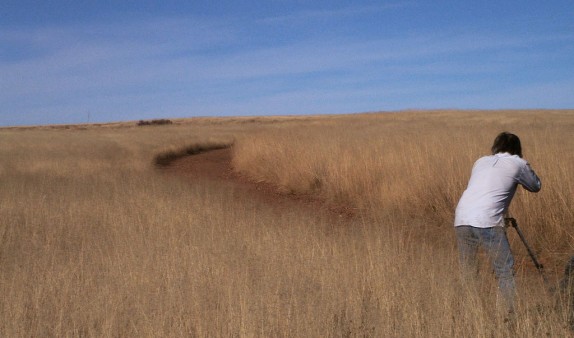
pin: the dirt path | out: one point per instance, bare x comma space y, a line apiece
216, 165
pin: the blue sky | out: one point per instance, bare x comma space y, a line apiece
67, 61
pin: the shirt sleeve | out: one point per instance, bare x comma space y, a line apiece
528, 179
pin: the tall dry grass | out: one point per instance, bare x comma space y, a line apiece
418, 164
94, 241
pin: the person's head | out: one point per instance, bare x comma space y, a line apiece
507, 143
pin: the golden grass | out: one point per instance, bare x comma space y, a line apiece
418, 164
94, 241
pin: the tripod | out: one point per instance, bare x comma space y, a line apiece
511, 221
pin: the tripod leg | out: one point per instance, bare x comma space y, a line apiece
539, 266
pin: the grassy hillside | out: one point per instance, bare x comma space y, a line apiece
96, 241
418, 164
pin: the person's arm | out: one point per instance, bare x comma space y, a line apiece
528, 179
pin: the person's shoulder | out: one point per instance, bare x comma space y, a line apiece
486, 158
509, 159
484, 161
518, 161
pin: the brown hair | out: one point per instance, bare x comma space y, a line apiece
506, 142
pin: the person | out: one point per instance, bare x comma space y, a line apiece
479, 215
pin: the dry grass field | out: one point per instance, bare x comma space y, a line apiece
97, 241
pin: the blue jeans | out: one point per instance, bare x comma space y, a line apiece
495, 243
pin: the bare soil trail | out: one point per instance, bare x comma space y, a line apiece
216, 165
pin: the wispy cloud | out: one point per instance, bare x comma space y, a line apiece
185, 66
61, 59
351, 11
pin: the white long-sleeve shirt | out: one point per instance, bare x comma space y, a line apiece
490, 189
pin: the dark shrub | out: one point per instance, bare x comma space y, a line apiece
154, 122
